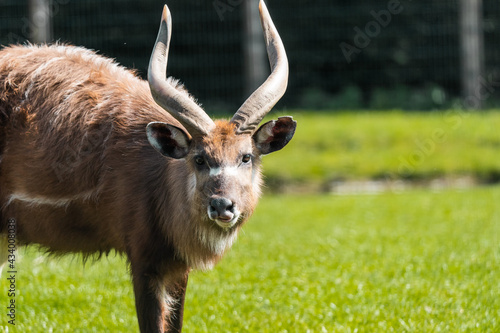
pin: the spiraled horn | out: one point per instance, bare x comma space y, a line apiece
176, 102
254, 109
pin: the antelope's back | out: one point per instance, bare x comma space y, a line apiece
65, 114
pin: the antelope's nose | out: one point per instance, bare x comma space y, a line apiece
221, 209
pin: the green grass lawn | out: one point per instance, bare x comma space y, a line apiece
385, 144
411, 262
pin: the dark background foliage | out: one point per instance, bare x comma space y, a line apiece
413, 62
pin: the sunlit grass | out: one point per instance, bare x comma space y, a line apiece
389, 144
411, 262
414, 262
63, 295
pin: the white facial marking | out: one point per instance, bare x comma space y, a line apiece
215, 171
231, 170
228, 171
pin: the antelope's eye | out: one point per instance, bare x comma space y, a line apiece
199, 160
246, 158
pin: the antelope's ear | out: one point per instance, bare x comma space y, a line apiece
274, 135
169, 140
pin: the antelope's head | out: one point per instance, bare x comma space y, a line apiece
223, 157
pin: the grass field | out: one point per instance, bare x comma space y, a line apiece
389, 145
410, 262
416, 261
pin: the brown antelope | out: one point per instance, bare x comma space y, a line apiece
92, 159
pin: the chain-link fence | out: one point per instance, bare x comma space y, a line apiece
343, 54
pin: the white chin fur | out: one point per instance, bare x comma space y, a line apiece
217, 240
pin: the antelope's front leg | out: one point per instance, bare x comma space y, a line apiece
176, 295
159, 299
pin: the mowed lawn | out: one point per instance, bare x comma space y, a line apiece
416, 261
389, 145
